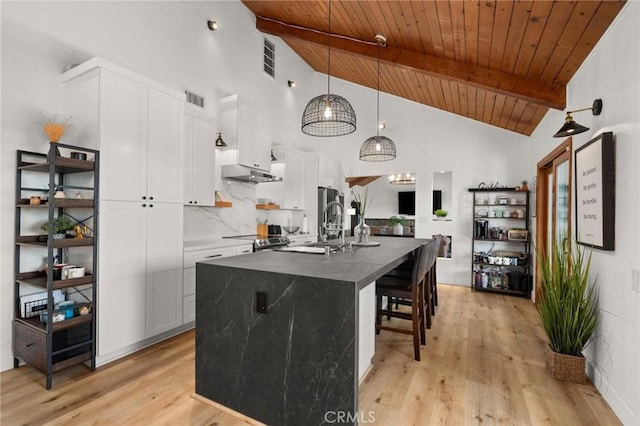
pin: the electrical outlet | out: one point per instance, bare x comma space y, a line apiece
261, 302
635, 280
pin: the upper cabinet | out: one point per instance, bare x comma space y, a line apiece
136, 123
247, 129
199, 172
289, 193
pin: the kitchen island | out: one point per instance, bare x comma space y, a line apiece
278, 333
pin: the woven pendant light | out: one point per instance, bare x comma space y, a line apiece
378, 148
328, 114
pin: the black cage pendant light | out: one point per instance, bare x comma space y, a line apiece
328, 114
378, 148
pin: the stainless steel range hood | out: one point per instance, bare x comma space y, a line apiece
247, 174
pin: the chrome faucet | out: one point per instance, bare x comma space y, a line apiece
330, 227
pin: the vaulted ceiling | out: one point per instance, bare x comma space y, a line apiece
504, 63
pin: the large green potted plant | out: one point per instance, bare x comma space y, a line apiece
568, 309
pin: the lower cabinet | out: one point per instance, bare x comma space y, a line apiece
140, 278
189, 274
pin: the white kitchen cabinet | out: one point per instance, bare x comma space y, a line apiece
328, 172
122, 276
199, 171
137, 124
140, 281
164, 267
138, 129
248, 130
288, 193
189, 273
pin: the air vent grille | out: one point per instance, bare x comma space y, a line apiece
192, 98
269, 58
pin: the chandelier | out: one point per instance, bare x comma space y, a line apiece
402, 179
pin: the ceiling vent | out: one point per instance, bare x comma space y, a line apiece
192, 98
269, 66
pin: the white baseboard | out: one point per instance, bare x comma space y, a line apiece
128, 350
619, 406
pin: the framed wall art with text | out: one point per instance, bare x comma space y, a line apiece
595, 176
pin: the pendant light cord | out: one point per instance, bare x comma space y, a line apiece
378, 98
329, 59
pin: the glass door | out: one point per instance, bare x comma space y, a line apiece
554, 199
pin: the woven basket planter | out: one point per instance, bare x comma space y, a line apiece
568, 368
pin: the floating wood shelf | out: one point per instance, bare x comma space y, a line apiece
223, 204
267, 206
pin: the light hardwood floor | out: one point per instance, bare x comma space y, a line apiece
483, 364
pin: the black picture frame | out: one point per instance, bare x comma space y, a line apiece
595, 176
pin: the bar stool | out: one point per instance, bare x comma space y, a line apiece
410, 290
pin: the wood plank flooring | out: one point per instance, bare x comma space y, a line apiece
483, 364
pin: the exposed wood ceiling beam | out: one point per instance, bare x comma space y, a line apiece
529, 90
360, 180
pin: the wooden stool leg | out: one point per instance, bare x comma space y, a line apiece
416, 326
378, 316
421, 314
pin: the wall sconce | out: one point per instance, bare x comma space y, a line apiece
219, 142
571, 128
291, 83
213, 25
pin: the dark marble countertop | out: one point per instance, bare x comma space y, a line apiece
359, 265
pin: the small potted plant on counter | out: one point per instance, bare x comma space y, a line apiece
61, 225
397, 222
441, 214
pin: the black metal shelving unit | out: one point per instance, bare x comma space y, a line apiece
53, 346
487, 246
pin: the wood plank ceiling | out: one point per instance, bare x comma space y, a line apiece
504, 63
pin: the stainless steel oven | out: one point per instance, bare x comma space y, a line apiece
272, 241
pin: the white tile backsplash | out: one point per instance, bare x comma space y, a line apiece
213, 222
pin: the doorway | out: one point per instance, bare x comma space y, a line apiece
553, 197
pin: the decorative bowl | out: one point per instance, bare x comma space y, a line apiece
291, 229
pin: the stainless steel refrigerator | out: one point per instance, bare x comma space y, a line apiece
333, 214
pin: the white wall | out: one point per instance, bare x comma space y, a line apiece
612, 73
169, 42
166, 41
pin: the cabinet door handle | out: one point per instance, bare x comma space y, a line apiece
144, 197
212, 256
28, 345
195, 202
150, 205
246, 251
144, 205
190, 202
151, 198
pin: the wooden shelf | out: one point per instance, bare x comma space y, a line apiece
62, 165
223, 204
58, 202
33, 240
503, 291
267, 206
506, 189
39, 279
34, 322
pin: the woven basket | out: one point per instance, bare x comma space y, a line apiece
568, 368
